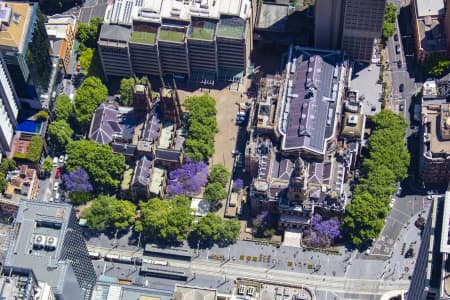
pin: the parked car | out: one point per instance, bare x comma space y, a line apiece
401, 87
55, 161
57, 173
396, 37
402, 107
61, 159
56, 186
397, 49
399, 64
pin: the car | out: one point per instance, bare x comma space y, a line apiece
401, 87
57, 196
399, 64
429, 197
57, 173
399, 191
396, 37
56, 186
401, 107
61, 159
55, 161
397, 49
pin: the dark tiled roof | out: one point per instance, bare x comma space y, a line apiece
142, 171
311, 109
152, 129
110, 121
168, 155
282, 169
124, 149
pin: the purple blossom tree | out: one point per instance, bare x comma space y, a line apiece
77, 181
328, 228
189, 179
238, 184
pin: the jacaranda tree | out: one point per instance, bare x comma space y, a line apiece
189, 179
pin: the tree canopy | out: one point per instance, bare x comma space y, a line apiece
213, 229
35, 149
47, 164
218, 173
59, 134
189, 179
214, 192
437, 66
63, 108
387, 163
103, 166
166, 220
87, 34
89, 96
390, 17
106, 212
202, 127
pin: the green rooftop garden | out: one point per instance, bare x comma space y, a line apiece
142, 37
230, 31
202, 33
171, 36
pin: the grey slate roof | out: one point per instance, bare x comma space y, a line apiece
312, 94
168, 155
113, 32
142, 171
109, 122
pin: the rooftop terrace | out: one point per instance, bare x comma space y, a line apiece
15, 24
140, 37
202, 30
171, 35
231, 27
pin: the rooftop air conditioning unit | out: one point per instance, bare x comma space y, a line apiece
39, 241
50, 243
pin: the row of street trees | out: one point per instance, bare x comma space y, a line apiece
386, 165
390, 17
168, 221
202, 127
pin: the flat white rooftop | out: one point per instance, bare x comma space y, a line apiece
125, 11
430, 8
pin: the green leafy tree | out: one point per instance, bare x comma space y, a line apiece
107, 212
78, 198
103, 166
126, 90
35, 149
86, 59
364, 218
218, 173
59, 134
208, 228
390, 17
202, 127
166, 220
214, 192
437, 66
47, 165
63, 108
7, 165
230, 231
3, 183
87, 34
91, 93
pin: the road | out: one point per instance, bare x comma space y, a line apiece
214, 268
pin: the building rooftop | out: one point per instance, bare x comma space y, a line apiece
272, 16
171, 34
307, 117
184, 292
157, 178
352, 126
430, 8
15, 28
156, 11
141, 37
231, 27
35, 223
111, 122
436, 119
202, 30
108, 291
432, 35
114, 32
165, 139
142, 171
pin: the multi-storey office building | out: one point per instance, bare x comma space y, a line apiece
25, 48
201, 40
351, 25
9, 108
47, 240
